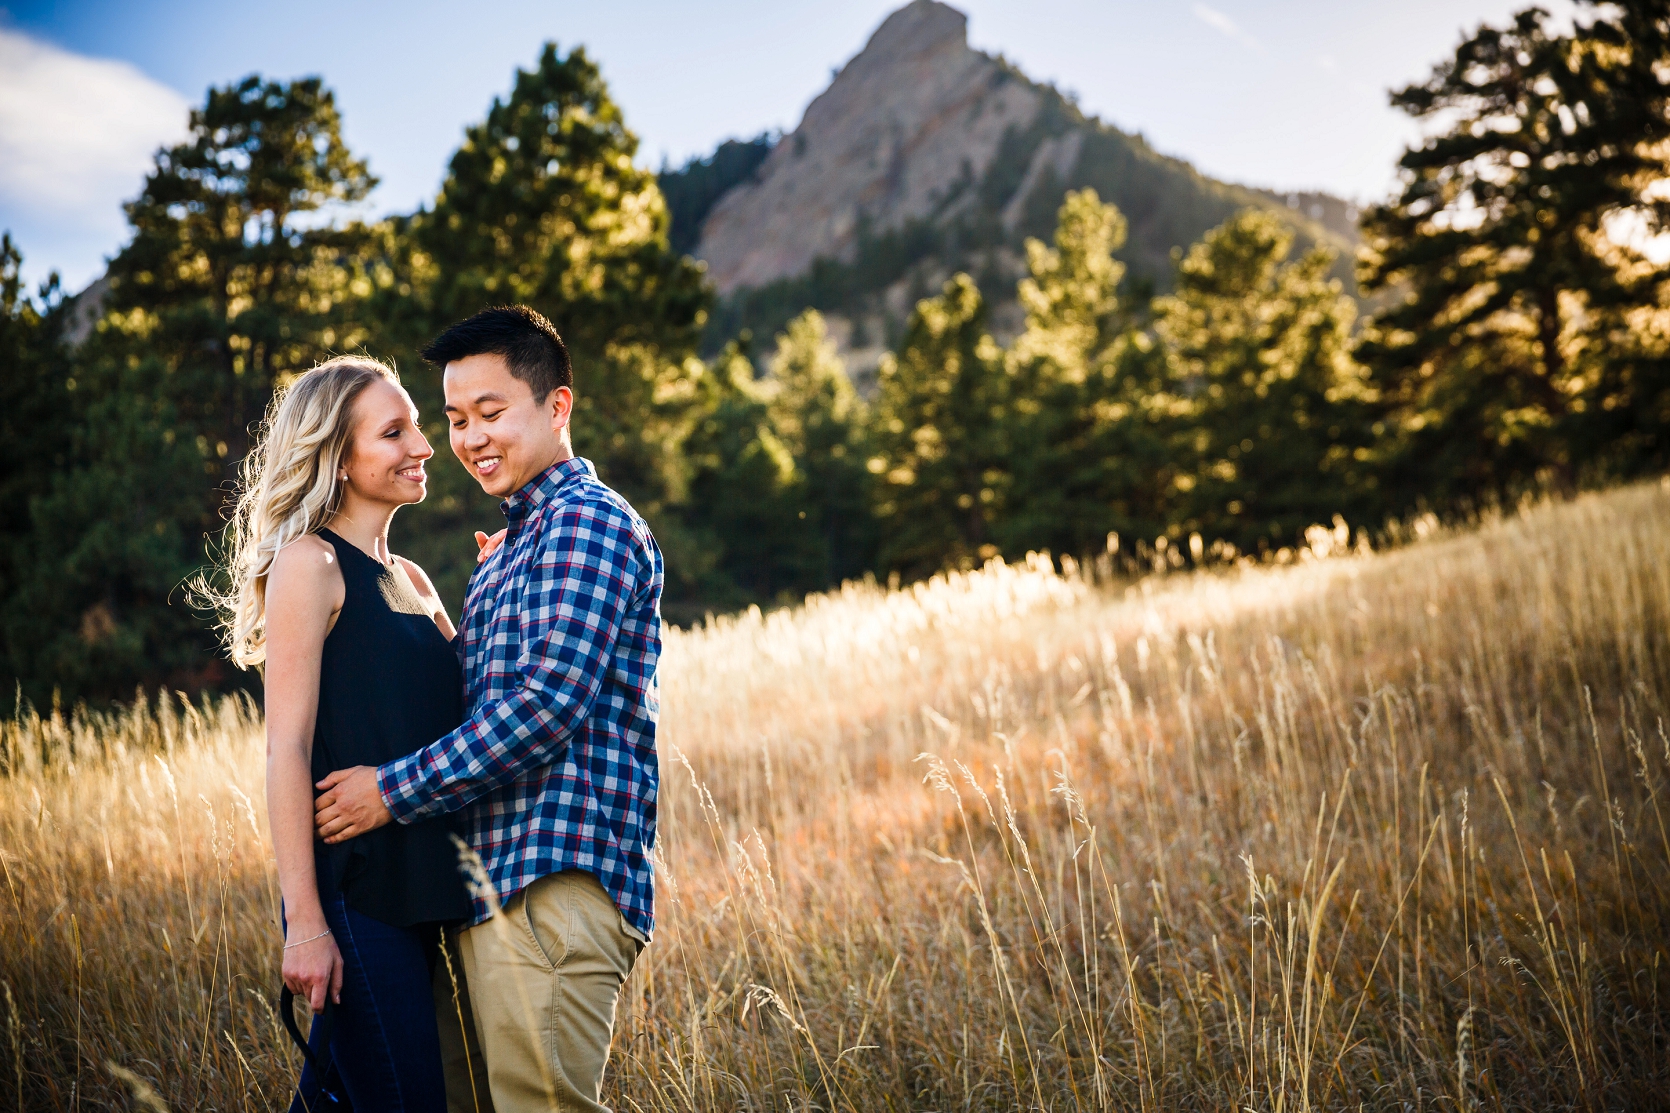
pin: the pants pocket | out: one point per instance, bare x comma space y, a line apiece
635, 938
545, 918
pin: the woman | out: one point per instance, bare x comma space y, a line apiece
359, 670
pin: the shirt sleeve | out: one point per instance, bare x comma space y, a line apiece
579, 591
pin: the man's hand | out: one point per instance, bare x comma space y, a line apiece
350, 805
486, 546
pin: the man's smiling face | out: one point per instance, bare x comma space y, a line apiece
502, 434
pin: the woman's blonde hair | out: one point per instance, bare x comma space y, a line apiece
287, 488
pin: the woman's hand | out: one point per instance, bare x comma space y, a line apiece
487, 545
314, 968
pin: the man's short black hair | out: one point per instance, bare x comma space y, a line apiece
528, 342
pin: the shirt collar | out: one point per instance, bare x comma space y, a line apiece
545, 485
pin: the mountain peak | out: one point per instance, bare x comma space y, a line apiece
917, 28
912, 115
924, 156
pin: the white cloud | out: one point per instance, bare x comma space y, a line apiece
1221, 23
77, 133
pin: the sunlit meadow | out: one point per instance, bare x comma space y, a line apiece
1356, 830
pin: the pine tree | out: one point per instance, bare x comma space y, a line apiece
227, 276
34, 393
1087, 449
543, 205
1273, 428
229, 282
32, 375
778, 492
820, 419
746, 500
1507, 345
941, 451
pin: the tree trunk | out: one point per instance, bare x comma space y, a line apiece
1553, 367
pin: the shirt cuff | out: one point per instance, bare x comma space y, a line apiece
400, 786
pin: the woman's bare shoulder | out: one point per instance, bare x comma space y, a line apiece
419, 579
305, 564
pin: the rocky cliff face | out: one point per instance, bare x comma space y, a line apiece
924, 157
912, 116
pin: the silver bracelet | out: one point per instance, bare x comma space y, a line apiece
299, 942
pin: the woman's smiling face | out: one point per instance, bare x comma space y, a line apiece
501, 433
386, 450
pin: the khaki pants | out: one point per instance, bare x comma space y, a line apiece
530, 1027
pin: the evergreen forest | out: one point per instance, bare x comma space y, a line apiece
1506, 333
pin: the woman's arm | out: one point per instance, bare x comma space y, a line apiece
304, 593
426, 592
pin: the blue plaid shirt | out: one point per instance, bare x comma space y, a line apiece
556, 762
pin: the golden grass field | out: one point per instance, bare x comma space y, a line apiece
1358, 831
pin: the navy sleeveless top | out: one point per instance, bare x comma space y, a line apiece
389, 683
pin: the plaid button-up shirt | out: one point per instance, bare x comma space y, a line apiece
555, 765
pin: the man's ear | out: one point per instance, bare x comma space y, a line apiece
560, 408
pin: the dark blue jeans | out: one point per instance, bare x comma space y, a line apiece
385, 1051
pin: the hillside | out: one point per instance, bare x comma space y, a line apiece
925, 156
1348, 832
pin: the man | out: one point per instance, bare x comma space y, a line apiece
555, 767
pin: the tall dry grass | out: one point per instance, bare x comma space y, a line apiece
1361, 831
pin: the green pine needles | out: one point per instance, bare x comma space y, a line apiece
1514, 338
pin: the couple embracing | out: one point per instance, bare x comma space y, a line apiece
528, 732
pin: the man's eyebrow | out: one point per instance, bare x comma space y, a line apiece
478, 400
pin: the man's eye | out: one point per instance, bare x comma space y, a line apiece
491, 416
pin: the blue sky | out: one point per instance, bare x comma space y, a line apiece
1290, 95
